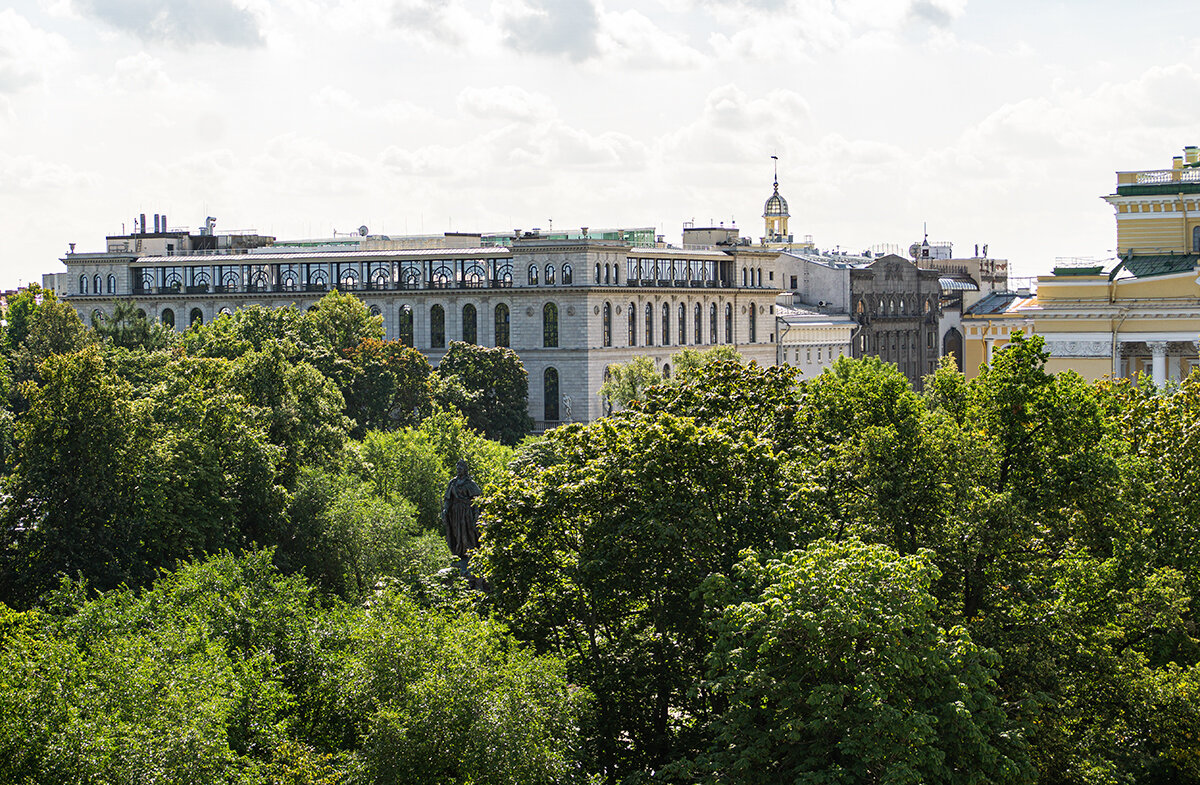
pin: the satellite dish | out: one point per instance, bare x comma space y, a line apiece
362, 230
914, 250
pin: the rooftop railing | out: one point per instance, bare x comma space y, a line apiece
1163, 176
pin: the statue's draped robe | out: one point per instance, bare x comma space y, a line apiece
460, 515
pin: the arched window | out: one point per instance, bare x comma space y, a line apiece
349, 280
666, 370
1196, 239
437, 327
712, 323
533, 272
728, 323
760, 276
666, 326
376, 310
112, 284
549, 325
196, 316
607, 324
682, 324
632, 324
550, 395
142, 312
568, 275
698, 328
597, 272
502, 321
753, 324
225, 311
97, 284
83, 283
406, 325
168, 317
743, 276
649, 324
616, 275
549, 275
608, 273
470, 324
97, 317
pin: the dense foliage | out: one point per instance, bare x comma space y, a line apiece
221, 561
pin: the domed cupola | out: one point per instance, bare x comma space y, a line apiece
775, 214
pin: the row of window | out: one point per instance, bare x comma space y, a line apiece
891, 306
664, 336
98, 285
502, 321
568, 276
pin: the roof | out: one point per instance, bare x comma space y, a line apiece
257, 258
776, 205
958, 285
1156, 264
994, 303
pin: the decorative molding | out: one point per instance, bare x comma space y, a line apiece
1077, 348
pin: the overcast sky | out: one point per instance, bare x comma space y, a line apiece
997, 122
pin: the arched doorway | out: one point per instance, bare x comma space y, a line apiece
952, 343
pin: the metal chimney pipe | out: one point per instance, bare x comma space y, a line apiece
142, 224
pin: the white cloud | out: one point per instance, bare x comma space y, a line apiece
565, 28
632, 39
179, 22
508, 103
25, 51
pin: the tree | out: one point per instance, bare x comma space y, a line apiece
78, 445
390, 387
20, 307
51, 328
600, 557
835, 670
305, 407
688, 359
627, 382
497, 387
226, 671
129, 328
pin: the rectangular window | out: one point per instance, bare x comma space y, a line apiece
793, 283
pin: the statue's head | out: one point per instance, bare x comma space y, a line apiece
463, 469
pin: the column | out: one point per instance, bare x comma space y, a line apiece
1158, 367
987, 344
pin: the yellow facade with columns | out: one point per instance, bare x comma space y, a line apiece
1138, 313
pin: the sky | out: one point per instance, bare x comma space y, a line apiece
998, 122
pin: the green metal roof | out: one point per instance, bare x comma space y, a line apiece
1158, 188
1158, 264
1093, 270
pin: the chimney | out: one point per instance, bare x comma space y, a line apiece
164, 222
142, 224
156, 223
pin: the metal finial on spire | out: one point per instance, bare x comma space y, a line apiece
775, 158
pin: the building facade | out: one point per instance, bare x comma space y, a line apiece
897, 306
1137, 313
569, 307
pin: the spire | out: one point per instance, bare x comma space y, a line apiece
775, 158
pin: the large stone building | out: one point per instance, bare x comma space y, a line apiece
569, 306
897, 306
1136, 313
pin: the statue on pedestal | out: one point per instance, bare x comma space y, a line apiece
460, 516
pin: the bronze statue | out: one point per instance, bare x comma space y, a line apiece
459, 514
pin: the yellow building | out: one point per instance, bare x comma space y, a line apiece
1136, 313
